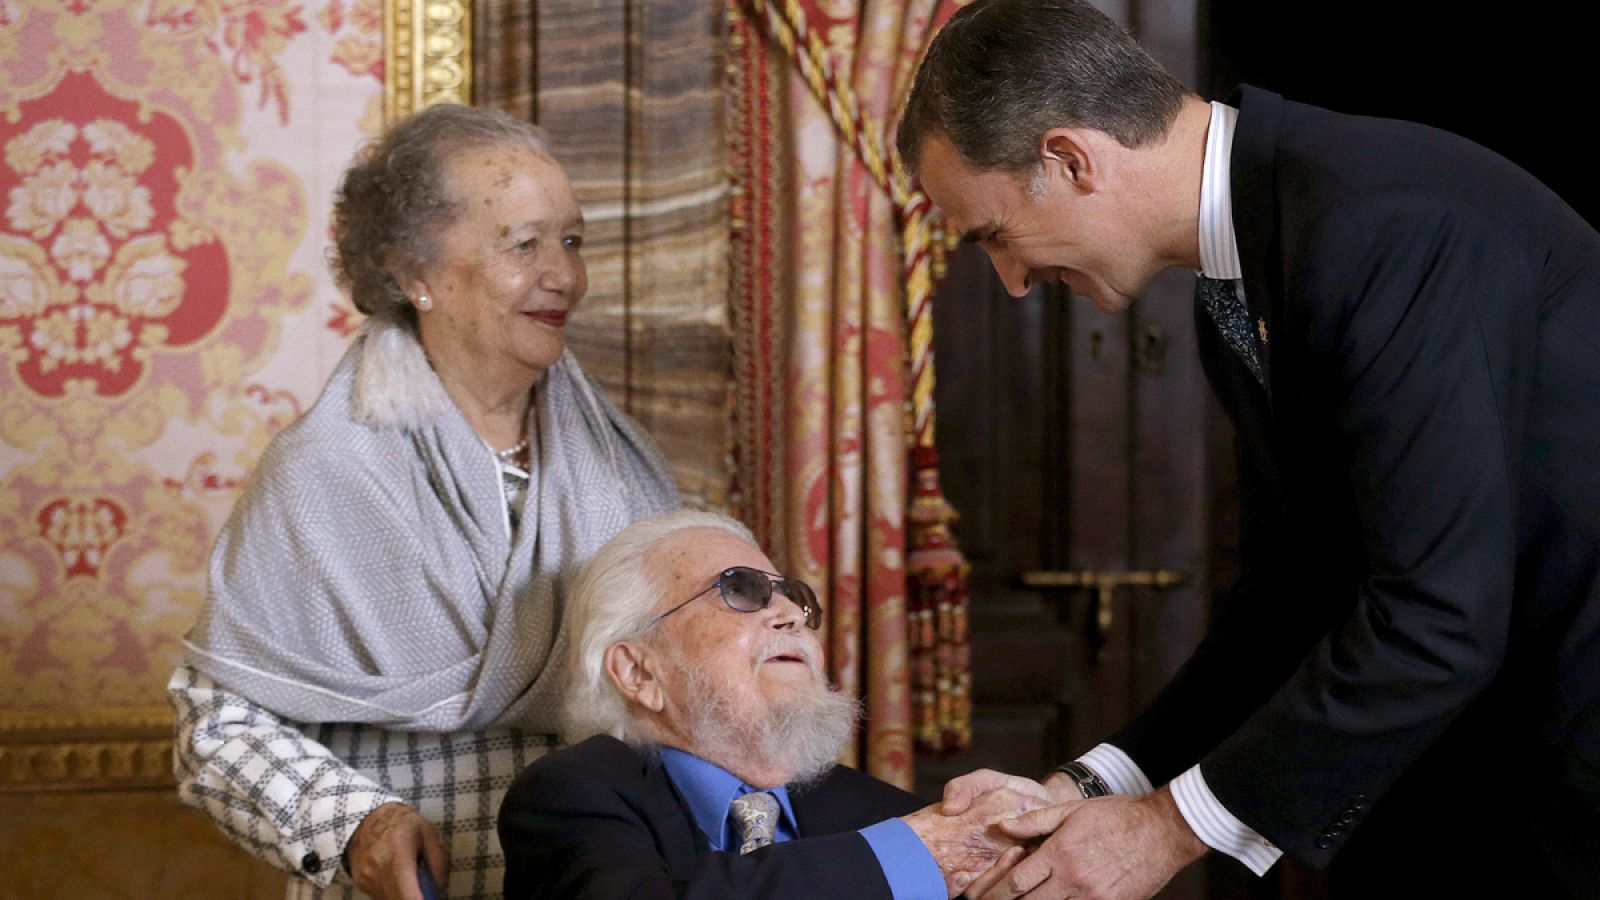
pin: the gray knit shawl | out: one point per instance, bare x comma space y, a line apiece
367, 573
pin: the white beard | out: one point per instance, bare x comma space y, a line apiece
804, 735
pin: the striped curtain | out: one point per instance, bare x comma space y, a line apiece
835, 254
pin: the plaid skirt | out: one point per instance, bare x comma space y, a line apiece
455, 780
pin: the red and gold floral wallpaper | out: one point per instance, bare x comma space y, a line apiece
166, 173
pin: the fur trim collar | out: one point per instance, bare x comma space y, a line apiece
395, 387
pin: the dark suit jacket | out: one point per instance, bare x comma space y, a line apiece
1420, 488
599, 819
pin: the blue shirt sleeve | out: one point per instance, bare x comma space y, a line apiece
911, 870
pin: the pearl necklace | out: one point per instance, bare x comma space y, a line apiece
518, 455
512, 454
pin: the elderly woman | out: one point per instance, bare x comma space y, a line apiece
376, 658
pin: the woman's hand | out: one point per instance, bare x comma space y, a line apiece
383, 853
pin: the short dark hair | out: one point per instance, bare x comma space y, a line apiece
1003, 72
394, 202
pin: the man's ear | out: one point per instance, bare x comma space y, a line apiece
631, 665
1072, 156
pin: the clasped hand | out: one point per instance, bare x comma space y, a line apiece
968, 842
1107, 848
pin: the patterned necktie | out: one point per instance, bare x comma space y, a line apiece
755, 816
1232, 320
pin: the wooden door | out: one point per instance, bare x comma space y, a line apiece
1072, 442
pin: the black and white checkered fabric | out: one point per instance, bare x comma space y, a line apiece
293, 794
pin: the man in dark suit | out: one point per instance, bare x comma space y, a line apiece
711, 772
1405, 331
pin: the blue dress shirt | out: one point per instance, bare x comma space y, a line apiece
907, 865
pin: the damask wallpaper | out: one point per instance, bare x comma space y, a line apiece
166, 172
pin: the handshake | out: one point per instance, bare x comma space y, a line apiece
998, 836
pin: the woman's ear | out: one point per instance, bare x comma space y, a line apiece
632, 667
407, 276
416, 290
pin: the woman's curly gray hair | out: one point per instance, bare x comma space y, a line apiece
394, 203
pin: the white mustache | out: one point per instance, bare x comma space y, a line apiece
780, 645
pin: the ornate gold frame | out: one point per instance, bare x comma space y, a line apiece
427, 54
89, 749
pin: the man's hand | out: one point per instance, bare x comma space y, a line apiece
968, 844
960, 792
383, 853
1108, 848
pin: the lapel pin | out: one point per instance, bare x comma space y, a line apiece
1261, 329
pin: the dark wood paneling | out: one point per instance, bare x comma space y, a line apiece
1169, 481
1099, 527
991, 351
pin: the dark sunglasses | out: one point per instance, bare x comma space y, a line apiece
747, 590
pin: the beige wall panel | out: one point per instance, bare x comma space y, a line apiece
504, 50
631, 94
680, 358
580, 73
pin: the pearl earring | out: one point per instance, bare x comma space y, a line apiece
424, 302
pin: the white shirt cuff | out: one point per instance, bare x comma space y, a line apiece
1218, 828
1118, 770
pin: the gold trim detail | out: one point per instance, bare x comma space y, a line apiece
427, 55
88, 749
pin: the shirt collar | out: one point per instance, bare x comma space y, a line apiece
708, 789
1219, 247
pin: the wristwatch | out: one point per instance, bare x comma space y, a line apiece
1089, 784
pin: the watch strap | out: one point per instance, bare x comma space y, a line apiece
1089, 784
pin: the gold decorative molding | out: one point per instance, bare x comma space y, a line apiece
89, 749
427, 53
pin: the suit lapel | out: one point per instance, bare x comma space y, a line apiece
1253, 176
846, 800
678, 837
817, 811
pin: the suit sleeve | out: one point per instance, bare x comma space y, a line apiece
1413, 336
568, 833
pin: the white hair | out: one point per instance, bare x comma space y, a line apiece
614, 599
